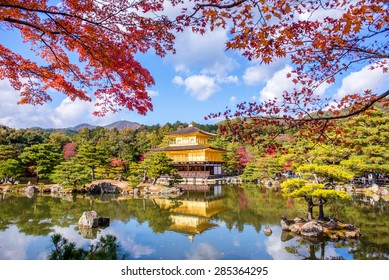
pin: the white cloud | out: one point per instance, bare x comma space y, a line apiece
275, 247
70, 112
279, 83
233, 99
233, 79
254, 75
321, 14
13, 245
259, 73
67, 113
203, 251
205, 52
366, 78
152, 93
276, 86
200, 87
178, 80
14, 115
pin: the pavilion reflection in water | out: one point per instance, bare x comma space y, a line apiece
191, 214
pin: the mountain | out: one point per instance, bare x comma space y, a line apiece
81, 126
120, 125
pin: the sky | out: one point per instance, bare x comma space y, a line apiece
201, 78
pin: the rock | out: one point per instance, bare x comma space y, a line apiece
55, 189
296, 228
30, 189
299, 220
352, 234
285, 223
90, 219
103, 222
46, 190
312, 229
267, 231
332, 224
334, 236
384, 192
349, 227
375, 188
349, 188
103, 187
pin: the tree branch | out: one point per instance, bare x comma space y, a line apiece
23, 22
218, 6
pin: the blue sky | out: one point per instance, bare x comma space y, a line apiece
199, 79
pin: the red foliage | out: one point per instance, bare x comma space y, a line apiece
117, 162
244, 157
69, 150
322, 39
104, 35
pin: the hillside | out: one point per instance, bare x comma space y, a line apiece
120, 125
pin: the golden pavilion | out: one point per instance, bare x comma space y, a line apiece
192, 154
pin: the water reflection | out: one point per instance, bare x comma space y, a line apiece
191, 214
222, 222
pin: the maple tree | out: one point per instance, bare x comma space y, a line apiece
104, 35
69, 150
320, 48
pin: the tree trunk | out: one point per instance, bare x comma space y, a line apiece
311, 250
93, 173
155, 180
323, 252
11, 180
37, 176
321, 208
310, 208
144, 179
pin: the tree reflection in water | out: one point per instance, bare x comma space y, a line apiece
148, 228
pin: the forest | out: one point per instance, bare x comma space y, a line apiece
352, 148
73, 158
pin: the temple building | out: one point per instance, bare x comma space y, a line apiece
192, 153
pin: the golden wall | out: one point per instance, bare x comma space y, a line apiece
192, 156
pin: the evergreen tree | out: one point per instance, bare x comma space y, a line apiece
10, 170
157, 164
41, 159
70, 174
92, 157
367, 139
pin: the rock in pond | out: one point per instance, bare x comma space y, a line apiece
267, 231
103, 187
90, 219
285, 224
333, 229
312, 229
31, 189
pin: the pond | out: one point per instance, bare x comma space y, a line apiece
224, 222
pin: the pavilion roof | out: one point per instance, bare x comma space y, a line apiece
190, 130
186, 147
